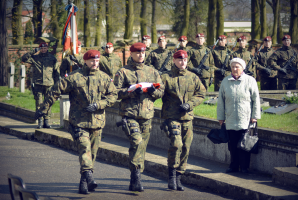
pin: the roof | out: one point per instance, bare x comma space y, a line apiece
240, 24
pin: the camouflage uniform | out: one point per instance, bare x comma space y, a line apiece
219, 54
268, 82
45, 74
157, 57
246, 56
110, 64
138, 109
277, 60
195, 55
67, 64
84, 88
181, 86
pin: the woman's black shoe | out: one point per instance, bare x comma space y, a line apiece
230, 170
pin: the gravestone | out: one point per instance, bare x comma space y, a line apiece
22, 78
281, 108
11, 75
212, 101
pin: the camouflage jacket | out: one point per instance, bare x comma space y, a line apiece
261, 62
181, 86
133, 105
84, 88
45, 68
67, 63
157, 57
246, 56
279, 58
195, 55
110, 64
219, 54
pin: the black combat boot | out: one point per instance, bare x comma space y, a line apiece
135, 182
172, 185
83, 188
90, 180
179, 185
46, 124
39, 123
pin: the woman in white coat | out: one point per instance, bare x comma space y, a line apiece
238, 105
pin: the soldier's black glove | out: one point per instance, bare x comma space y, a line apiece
73, 58
282, 70
35, 50
220, 72
267, 71
92, 107
211, 81
151, 90
139, 91
38, 114
184, 107
197, 71
206, 67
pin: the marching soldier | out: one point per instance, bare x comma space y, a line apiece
72, 63
136, 108
268, 77
45, 75
109, 62
90, 92
285, 60
245, 55
183, 92
183, 42
201, 61
221, 55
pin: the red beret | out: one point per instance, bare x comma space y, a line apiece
145, 37
139, 46
109, 44
241, 38
182, 38
221, 37
43, 44
79, 43
180, 54
161, 38
286, 37
91, 54
268, 38
200, 35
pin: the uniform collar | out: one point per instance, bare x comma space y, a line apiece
43, 54
221, 48
242, 49
161, 49
267, 49
136, 65
200, 46
286, 48
88, 72
108, 54
177, 71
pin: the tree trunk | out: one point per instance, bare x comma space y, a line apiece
263, 19
255, 19
3, 45
186, 17
129, 19
78, 4
54, 22
16, 23
109, 22
279, 29
143, 18
98, 23
87, 39
211, 22
37, 18
220, 18
275, 24
153, 23
294, 22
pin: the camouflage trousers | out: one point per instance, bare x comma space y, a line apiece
181, 136
40, 91
138, 137
87, 141
287, 84
205, 82
268, 83
217, 82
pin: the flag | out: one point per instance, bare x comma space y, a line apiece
70, 35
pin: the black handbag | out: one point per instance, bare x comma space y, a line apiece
218, 136
249, 140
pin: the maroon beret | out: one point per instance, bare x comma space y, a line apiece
221, 37
145, 37
200, 35
180, 54
79, 43
139, 46
268, 38
43, 44
286, 37
91, 54
182, 38
241, 38
161, 38
109, 44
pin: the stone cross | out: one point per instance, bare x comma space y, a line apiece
11, 75
22, 78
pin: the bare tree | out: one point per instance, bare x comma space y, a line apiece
3, 45
153, 23
37, 17
143, 17
16, 22
98, 23
186, 17
220, 18
255, 19
294, 22
211, 22
56, 30
275, 6
109, 22
87, 39
129, 19
263, 19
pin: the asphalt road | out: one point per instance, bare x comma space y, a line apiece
53, 173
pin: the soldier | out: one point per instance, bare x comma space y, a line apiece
183, 92
90, 92
221, 55
196, 56
45, 75
109, 62
183, 42
136, 108
245, 55
287, 75
71, 62
160, 57
268, 77
146, 39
